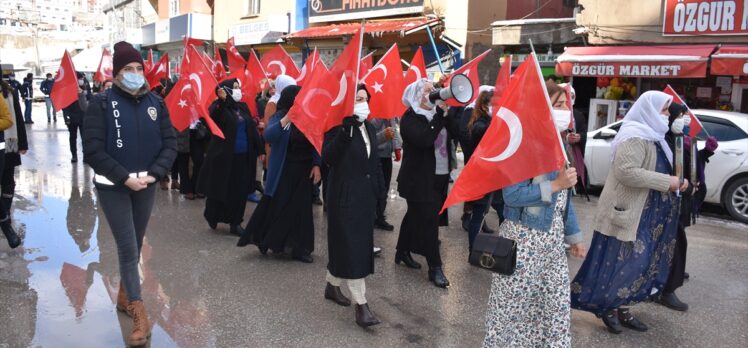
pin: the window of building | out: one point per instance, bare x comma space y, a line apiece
253, 7
173, 8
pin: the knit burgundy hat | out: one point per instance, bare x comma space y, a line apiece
124, 54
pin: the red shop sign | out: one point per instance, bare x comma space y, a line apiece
705, 17
730, 61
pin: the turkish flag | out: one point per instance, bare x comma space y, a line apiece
308, 67
278, 62
236, 61
158, 72
219, 71
248, 86
148, 63
65, 89
104, 72
385, 84
190, 41
521, 142
367, 62
309, 111
193, 93
256, 70
417, 69
695, 126
502, 80
470, 69
345, 72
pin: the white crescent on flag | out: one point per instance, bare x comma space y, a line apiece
417, 71
280, 66
308, 98
341, 92
195, 77
60, 74
515, 135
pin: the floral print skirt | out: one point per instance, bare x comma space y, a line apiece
531, 307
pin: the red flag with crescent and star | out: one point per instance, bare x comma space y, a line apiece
278, 62
416, 70
308, 67
521, 142
235, 59
192, 95
159, 71
219, 71
328, 97
695, 126
385, 84
104, 72
65, 90
256, 70
148, 62
367, 62
470, 69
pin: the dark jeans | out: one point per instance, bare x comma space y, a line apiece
27, 112
382, 199
197, 155
180, 172
74, 129
127, 213
678, 267
4, 210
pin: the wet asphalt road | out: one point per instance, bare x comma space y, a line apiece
59, 288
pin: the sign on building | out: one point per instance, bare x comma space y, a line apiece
705, 17
340, 10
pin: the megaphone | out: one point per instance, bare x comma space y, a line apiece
460, 88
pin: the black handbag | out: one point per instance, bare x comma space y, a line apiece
494, 253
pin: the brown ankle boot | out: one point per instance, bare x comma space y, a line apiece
122, 300
141, 329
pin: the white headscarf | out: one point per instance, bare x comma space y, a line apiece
481, 89
412, 98
281, 82
571, 90
646, 121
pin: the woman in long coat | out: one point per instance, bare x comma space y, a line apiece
636, 221
353, 186
423, 179
229, 169
283, 220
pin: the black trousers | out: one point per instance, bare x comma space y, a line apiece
197, 155
180, 172
678, 267
382, 198
8, 184
74, 129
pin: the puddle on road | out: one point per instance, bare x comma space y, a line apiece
73, 273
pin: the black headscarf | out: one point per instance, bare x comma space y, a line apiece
288, 96
675, 110
227, 86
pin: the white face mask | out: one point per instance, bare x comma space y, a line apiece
686, 120
80, 82
361, 110
677, 126
561, 118
236, 94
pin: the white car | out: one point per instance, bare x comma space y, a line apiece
726, 173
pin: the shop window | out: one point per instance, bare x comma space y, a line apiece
253, 7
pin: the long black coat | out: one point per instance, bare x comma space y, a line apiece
216, 170
416, 180
353, 184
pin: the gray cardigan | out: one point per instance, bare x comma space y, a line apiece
631, 178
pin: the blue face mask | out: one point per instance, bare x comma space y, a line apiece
133, 81
686, 130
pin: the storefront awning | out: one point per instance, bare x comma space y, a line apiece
328, 31
684, 61
730, 60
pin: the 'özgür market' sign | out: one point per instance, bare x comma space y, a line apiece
341, 10
705, 17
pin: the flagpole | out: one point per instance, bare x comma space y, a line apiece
548, 100
436, 53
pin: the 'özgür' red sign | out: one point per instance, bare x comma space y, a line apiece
705, 17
